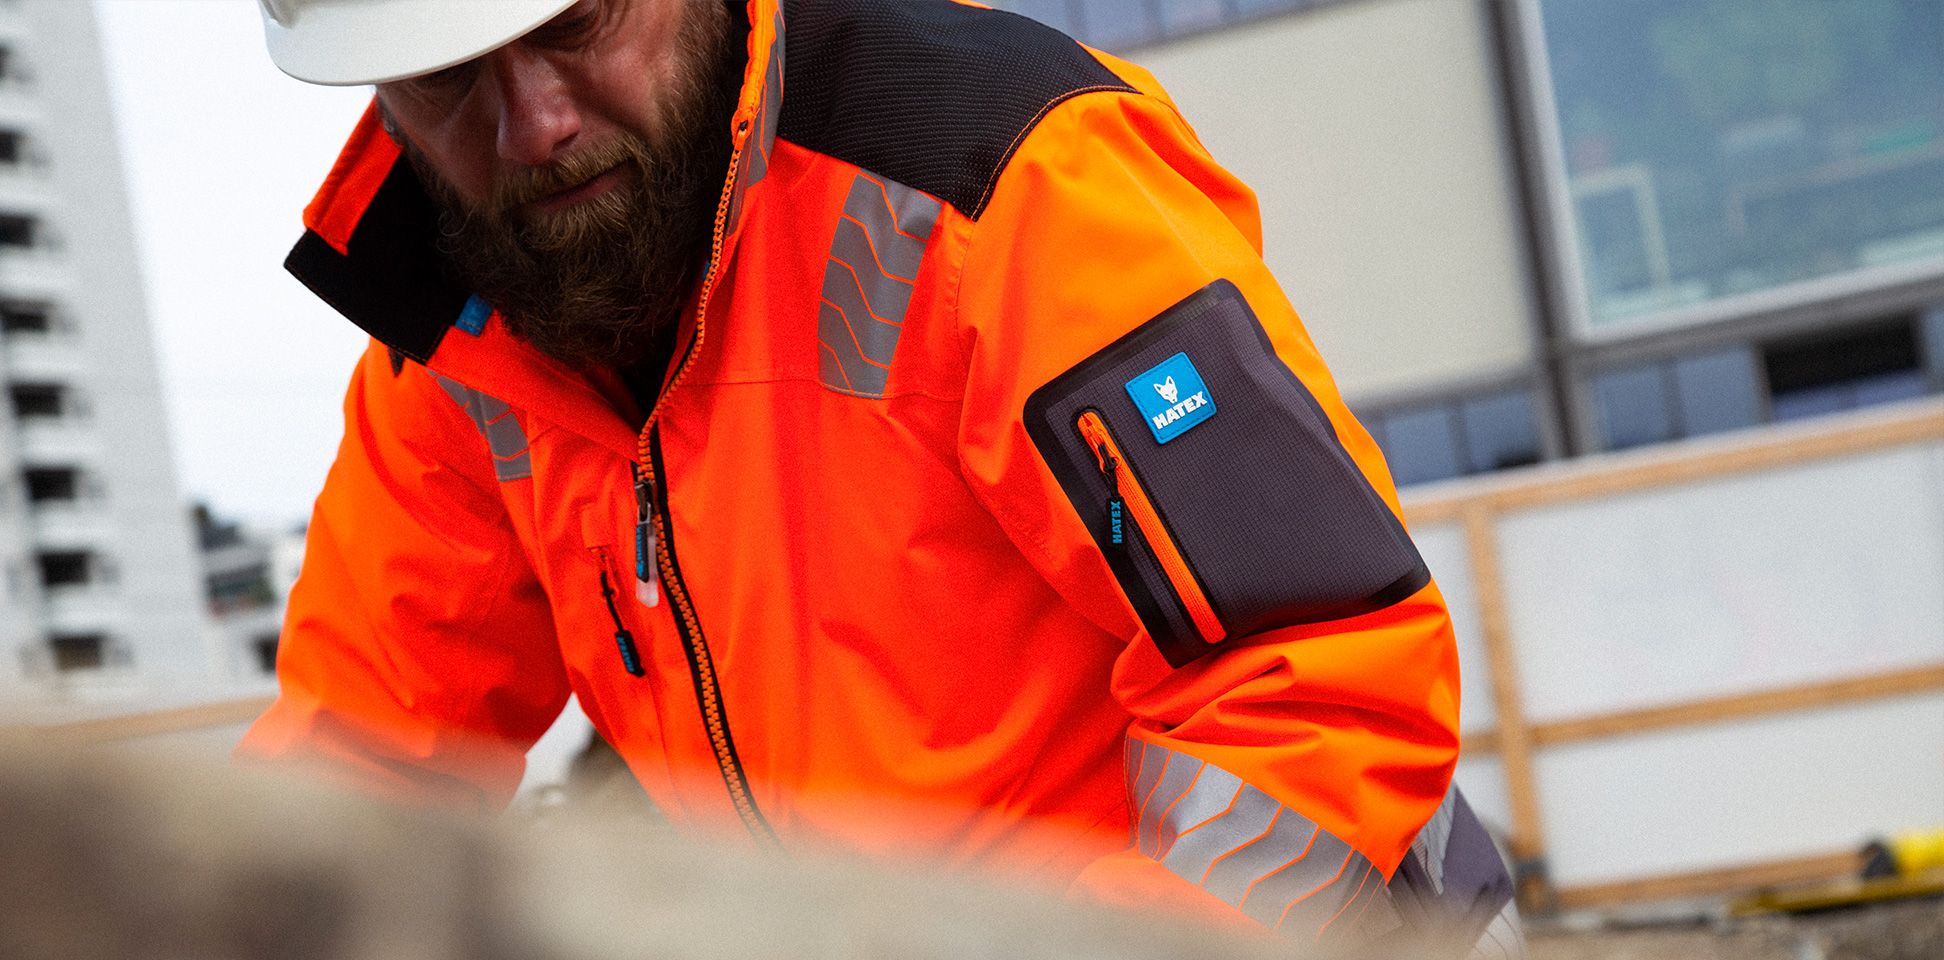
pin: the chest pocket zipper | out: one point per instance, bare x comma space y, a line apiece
597, 531
1127, 499
623, 640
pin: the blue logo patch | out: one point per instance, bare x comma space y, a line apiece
1171, 397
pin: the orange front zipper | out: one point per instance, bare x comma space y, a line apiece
1124, 487
652, 523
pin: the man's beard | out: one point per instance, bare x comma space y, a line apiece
593, 285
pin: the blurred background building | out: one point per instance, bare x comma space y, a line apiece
1524, 230
103, 600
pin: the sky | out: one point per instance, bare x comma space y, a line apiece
221, 151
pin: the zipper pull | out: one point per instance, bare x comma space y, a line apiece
1116, 506
630, 657
1094, 432
647, 570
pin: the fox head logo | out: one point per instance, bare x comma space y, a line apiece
1168, 390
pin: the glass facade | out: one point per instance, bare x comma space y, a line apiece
1437, 441
1120, 24
1858, 369
1714, 148
1790, 378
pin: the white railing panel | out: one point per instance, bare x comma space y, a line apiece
1740, 584
1751, 791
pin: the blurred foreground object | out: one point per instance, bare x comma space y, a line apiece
109, 856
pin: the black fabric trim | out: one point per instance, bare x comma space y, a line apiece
936, 96
393, 283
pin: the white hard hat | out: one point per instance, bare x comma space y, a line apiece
347, 42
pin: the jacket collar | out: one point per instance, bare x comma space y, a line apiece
368, 250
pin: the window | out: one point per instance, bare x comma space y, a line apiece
1723, 389
39, 400
1437, 441
1053, 13
1634, 407
1685, 396
53, 485
26, 316
17, 230
1717, 391
1118, 24
1842, 371
265, 648
1501, 432
79, 651
243, 587
65, 568
1704, 151
12, 147
1421, 445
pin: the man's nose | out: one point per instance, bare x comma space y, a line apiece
538, 116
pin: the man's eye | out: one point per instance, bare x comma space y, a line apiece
579, 24
452, 79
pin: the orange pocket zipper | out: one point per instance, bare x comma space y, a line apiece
1126, 497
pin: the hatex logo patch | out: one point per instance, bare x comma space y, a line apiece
1172, 397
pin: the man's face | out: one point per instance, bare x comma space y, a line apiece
578, 168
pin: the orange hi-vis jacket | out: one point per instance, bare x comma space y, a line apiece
996, 510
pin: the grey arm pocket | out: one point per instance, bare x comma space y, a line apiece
1247, 485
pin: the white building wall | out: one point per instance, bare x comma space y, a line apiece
1370, 132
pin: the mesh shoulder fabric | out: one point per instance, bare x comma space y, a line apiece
934, 95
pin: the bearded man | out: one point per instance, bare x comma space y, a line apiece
878, 413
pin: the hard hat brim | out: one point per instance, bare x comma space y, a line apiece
350, 42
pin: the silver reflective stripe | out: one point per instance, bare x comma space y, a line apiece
1244, 846
1248, 849
1247, 814
1502, 939
512, 460
875, 254
1429, 847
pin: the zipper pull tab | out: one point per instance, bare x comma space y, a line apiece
1094, 432
647, 570
623, 640
1116, 507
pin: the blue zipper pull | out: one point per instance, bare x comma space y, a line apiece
647, 569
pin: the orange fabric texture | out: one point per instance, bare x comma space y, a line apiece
919, 649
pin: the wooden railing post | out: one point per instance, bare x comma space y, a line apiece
1513, 735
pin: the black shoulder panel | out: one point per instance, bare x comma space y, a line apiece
934, 95
393, 282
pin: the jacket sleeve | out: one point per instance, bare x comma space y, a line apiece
418, 658
1289, 667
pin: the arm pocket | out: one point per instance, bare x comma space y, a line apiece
1214, 483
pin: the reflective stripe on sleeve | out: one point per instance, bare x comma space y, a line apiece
1243, 846
1251, 851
